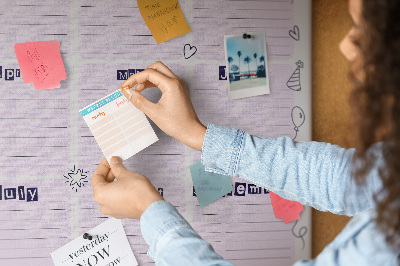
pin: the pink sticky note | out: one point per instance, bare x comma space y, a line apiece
284, 209
41, 63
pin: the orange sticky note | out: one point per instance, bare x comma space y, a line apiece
164, 18
284, 209
41, 63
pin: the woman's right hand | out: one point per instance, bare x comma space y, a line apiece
174, 112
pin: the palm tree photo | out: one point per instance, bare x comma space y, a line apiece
262, 59
255, 58
239, 54
247, 60
230, 60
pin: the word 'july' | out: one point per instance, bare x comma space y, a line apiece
31, 193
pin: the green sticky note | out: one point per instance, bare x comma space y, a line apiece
209, 186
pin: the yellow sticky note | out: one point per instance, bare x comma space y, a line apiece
164, 18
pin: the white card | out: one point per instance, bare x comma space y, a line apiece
118, 126
109, 246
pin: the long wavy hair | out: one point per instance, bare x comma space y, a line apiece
376, 107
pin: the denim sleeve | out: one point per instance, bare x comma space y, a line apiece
312, 173
172, 241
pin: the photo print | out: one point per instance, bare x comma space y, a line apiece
246, 61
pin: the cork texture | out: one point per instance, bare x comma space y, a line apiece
330, 103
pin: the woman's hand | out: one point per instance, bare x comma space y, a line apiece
127, 197
173, 113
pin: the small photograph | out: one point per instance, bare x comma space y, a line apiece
246, 65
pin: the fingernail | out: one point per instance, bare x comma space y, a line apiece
124, 88
115, 160
128, 94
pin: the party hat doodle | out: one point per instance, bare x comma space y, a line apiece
294, 81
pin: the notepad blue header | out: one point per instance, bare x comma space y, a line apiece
100, 103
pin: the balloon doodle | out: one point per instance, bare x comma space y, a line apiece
298, 118
302, 232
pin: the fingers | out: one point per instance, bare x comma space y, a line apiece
117, 167
142, 86
160, 67
159, 80
100, 174
110, 177
140, 102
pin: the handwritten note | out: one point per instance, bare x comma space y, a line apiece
164, 19
118, 126
209, 186
108, 246
41, 63
284, 209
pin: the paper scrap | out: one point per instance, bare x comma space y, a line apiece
108, 246
118, 126
284, 209
209, 186
164, 19
41, 63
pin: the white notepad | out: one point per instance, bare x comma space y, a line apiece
118, 126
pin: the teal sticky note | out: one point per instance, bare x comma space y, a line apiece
209, 186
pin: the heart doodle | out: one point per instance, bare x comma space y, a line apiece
189, 51
295, 33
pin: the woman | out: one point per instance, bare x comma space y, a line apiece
363, 183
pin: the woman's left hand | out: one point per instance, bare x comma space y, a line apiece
127, 197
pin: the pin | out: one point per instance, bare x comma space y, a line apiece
87, 236
246, 36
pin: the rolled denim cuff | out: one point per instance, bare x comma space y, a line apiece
222, 148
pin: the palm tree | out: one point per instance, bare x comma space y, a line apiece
255, 57
234, 68
262, 59
247, 60
230, 59
239, 54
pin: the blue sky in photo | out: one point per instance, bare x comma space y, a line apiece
248, 47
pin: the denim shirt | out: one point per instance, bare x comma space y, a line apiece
312, 173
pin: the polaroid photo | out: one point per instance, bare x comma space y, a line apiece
246, 61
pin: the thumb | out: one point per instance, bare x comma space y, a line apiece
117, 167
138, 100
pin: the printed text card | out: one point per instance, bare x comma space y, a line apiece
108, 246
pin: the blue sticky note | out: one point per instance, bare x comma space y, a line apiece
209, 186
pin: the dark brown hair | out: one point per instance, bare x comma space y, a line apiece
376, 106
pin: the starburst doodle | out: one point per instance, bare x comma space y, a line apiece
76, 178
